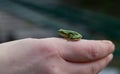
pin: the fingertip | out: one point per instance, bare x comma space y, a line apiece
110, 44
109, 58
99, 65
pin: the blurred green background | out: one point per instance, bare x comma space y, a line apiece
94, 19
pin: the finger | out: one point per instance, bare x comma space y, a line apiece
84, 50
90, 68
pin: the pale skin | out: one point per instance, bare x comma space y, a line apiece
55, 56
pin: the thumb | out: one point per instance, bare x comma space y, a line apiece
85, 50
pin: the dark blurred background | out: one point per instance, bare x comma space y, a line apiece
94, 19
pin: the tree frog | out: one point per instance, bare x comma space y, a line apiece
69, 34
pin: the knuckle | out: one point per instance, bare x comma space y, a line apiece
28, 40
49, 49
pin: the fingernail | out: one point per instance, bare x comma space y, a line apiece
107, 41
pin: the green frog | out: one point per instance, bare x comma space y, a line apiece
69, 34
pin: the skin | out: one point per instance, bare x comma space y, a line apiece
69, 34
55, 56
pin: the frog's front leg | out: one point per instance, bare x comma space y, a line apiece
70, 36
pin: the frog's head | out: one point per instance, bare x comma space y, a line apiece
63, 32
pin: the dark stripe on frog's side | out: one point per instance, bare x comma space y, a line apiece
63, 35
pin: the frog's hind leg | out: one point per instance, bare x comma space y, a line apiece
73, 37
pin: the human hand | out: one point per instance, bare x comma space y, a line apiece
54, 56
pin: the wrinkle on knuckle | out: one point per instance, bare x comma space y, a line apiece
55, 69
93, 69
93, 51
